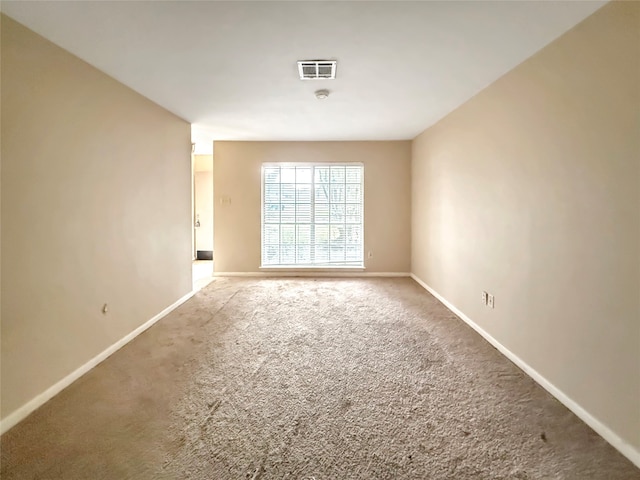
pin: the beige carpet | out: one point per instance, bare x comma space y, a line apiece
308, 379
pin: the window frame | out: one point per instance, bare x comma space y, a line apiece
323, 266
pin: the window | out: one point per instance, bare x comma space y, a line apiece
312, 215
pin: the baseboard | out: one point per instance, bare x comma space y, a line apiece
311, 274
605, 432
22, 412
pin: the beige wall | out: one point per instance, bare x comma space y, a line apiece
387, 197
203, 163
95, 209
531, 191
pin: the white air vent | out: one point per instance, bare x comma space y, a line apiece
317, 69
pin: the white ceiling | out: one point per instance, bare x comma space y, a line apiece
230, 67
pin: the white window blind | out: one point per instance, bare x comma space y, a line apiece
312, 215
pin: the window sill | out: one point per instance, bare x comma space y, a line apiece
312, 269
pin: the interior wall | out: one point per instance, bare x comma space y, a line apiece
387, 198
204, 201
96, 209
530, 191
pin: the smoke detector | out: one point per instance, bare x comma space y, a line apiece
321, 94
317, 69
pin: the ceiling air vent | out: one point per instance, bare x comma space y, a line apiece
317, 69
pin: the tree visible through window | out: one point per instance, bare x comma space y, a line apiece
312, 215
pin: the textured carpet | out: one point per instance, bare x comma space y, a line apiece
308, 379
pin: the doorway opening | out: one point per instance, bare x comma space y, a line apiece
202, 211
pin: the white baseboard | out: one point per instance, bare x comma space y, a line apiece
279, 273
22, 412
605, 432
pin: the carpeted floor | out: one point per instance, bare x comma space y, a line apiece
308, 379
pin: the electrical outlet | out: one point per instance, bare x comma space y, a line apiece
491, 302
485, 298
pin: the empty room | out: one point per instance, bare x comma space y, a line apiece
320, 240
